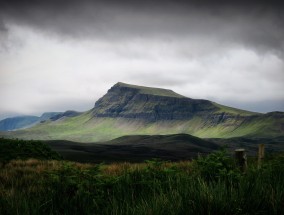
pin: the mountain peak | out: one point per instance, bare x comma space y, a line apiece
148, 90
148, 103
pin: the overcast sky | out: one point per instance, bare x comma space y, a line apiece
59, 55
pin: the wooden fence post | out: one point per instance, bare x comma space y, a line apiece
241, 159
260, 155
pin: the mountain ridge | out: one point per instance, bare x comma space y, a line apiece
149, 90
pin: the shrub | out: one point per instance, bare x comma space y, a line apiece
217, 165
25, 149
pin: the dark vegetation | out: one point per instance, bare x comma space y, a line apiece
210, 184
272, 145
22, 149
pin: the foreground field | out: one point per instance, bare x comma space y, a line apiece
208, 185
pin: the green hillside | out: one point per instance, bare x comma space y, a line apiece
84, 128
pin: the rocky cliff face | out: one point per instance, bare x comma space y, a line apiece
153, 104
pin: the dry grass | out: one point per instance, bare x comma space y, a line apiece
116, 169
119, 168
34, 166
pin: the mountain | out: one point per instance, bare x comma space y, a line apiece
155, 104
136, 110
48, 115
17, 122
21, 122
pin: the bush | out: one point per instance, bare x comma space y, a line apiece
217, 166
24, 149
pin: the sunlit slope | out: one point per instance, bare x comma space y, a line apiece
84, 128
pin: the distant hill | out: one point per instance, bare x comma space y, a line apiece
69, 113
19, 122
135, 148
136, 110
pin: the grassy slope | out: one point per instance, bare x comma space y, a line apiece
83, 128
231, 110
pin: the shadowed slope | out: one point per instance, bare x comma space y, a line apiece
135, 148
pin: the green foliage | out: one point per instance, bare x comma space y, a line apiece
78, 188
154, 164
217, 165
22, 149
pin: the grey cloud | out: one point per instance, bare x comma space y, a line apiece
167, 81
3, 35
3, 28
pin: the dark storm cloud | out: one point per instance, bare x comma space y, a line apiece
3, 28
255, 24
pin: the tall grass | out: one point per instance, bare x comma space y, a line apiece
209, 185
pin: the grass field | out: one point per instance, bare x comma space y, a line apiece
207, 185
